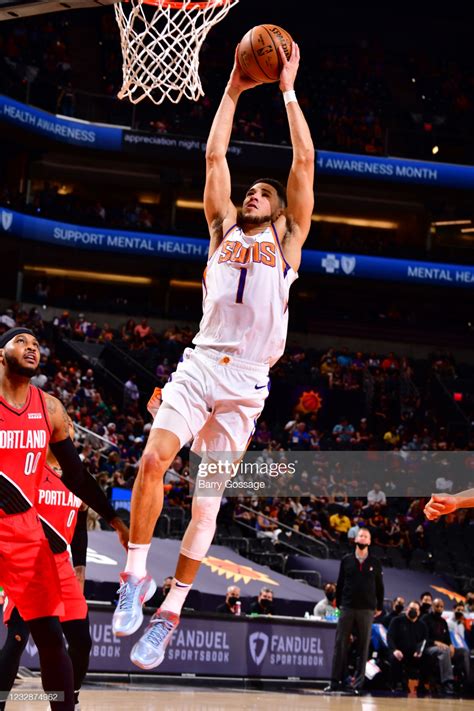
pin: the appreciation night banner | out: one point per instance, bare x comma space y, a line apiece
242, 154
333, 264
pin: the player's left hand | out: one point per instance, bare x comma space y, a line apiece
440, 505
290, 67
122, 530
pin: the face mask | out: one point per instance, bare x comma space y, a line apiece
412, 613
362, 546
458, 615
398, 608
438, 613
266, 605
425, 607
330, 596
233, 600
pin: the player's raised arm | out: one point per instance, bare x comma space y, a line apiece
300, 190
218, 207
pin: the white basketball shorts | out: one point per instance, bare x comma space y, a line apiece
218, 397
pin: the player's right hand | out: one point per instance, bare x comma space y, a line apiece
238, 79
154, 402
440, 505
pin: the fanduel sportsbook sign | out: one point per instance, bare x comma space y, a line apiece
217, 647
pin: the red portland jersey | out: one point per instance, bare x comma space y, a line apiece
57, 508
24, 439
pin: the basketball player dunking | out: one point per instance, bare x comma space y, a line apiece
64, 522
31, 420
219, 388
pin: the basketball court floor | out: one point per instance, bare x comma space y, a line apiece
127, 697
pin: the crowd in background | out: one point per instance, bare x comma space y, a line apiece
320, 403
354, 93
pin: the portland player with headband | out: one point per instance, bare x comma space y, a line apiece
64, 520
219, 388
31, 420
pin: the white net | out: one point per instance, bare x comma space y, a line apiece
161, 41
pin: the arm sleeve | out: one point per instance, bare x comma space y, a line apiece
80, 482
340, 584
79, 540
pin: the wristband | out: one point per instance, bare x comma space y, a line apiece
289, 96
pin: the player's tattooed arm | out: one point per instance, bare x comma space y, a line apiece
58, 418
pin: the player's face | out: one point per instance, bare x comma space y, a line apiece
21, 355
261, 204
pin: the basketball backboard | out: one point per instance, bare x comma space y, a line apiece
13, 9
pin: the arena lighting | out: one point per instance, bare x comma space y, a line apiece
89, 276
356, 221
444, 223
336, 219
435, 150
179, 284
467, 229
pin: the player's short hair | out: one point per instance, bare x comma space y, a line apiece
279, 187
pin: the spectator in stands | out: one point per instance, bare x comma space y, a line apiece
327, 606
127, 331
390, 362
398, 606
265, 526
456, 623
358, 523
469, 604
406, 639
143, 330
131, 393
440, 648
264, 603
426, 602
376, 496
340, 524
343, 433
231, 605
300, 438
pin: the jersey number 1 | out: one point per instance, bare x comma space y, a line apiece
241, 286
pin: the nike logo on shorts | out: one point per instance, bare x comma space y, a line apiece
259, 387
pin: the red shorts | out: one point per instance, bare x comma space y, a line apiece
75, 605
28, 571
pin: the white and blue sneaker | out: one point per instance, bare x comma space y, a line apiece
133, 592
150, 649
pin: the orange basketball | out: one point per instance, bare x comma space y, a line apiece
258, 52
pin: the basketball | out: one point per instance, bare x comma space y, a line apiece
258, 52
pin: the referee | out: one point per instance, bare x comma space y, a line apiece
359, 596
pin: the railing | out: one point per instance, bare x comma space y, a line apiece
302, 537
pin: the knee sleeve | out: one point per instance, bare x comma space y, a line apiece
200, 531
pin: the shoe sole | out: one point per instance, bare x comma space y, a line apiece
140, 664
138, 624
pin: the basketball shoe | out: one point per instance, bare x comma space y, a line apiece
150, 649
133, 592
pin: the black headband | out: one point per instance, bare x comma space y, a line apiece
12, 332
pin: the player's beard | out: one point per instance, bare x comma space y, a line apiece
255, 220
15, 367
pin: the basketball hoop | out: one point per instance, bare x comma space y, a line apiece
161, 41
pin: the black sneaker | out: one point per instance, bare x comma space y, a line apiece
333, 686
448, 689
421, 691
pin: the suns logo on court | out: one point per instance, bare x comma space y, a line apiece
7, 219
237, 572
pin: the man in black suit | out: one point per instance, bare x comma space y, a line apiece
406, 638
440, 648
359, 596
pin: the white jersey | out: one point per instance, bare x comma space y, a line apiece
246, 287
